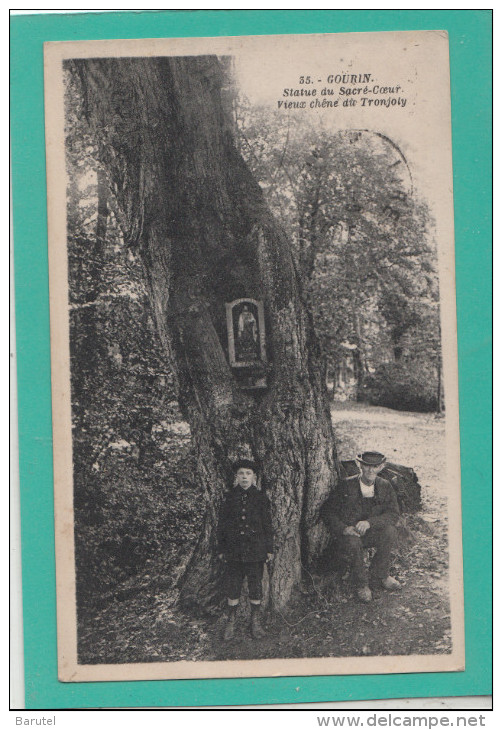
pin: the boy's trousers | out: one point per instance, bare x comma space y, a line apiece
237, 571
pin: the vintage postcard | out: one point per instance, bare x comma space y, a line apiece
254, 368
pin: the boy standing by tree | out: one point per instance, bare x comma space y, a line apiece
245, 541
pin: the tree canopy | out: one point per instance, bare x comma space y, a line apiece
362, 238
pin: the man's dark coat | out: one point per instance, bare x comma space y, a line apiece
347, 506
245, 526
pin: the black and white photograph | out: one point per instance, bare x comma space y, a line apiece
254, 374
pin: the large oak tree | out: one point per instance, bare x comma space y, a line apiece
187, 201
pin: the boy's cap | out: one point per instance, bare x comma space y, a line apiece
245, 464
371, 458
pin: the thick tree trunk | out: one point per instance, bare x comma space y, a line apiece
206, 237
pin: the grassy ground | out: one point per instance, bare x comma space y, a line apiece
323, 619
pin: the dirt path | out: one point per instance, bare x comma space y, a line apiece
413, 439
324, 619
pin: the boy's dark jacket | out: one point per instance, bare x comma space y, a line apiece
345, 506
245, 526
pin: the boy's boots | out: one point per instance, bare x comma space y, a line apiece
257, 631
230, 627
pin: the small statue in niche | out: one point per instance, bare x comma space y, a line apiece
247, 346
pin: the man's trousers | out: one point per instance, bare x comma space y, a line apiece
352, 548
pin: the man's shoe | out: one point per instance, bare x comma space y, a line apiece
364, 594
229, 629
391, 584
257, 630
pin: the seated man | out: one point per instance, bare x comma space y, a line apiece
362, 513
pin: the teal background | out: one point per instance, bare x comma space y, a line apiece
471, 49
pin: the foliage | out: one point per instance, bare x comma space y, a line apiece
361, 235
408, 385
131, 449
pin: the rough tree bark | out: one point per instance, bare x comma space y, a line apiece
206, 237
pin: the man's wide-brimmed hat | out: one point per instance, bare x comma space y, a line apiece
245, 464
371, 458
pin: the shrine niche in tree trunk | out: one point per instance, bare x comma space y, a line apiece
246, 342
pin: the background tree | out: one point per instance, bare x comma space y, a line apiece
363, 240
192, 214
